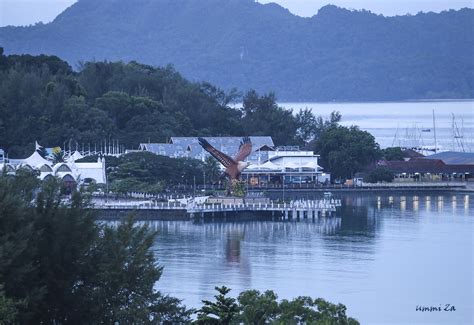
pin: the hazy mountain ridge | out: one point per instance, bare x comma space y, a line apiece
337, 54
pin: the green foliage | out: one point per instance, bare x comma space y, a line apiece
223, 311
238, 188
124, 280
392, 153
147, 172
305, 310
263, 116
345, 150
8, 310
130, 103
311, 127
58, 157
338, 54
212, 171
380, 175
58, 266
253, 307
257, 308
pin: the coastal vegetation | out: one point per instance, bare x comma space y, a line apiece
338, 54
254, 307
345, 150
379, 175
59, 266
43, 99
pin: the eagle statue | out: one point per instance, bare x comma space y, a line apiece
233, 166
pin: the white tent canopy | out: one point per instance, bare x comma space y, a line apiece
35, 160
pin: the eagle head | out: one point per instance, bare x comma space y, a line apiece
241, 165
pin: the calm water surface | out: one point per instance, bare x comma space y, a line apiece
401, 124
380, 257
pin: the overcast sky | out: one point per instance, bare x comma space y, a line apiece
26, 12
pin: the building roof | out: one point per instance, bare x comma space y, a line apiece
454, 158
35, 160
435, 166
190, 147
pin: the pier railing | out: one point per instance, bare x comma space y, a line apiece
293, 208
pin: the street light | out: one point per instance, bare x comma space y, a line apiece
283, 186
204, 180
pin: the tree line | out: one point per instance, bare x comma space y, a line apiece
42, 99
58, 266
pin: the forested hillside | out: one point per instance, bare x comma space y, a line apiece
337, 54
43, 99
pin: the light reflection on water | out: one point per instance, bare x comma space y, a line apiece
382, 256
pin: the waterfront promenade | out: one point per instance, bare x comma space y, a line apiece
192, 208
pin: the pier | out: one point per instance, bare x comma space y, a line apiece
192, 209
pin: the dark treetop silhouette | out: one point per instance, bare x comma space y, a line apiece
233, 166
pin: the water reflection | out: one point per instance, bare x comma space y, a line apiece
440, 204
416, 203
372, 257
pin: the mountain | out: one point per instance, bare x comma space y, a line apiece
337, 54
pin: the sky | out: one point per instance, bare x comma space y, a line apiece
27, 12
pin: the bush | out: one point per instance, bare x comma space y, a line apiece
380, 175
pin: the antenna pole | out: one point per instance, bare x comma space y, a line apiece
434, 128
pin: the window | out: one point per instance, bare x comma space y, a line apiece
64, 168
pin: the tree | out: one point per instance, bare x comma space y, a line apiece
307, 126
263, 116
380, 175
392, 153
212, 170
8, 310
223, 311
58, 155
305, 310
58, 266
122, 289
258, 308
18, 249
345, 150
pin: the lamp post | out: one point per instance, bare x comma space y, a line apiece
283, 186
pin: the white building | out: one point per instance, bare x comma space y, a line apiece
69, 171
287, 165
269, 165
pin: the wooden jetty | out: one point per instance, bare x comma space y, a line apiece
293, 209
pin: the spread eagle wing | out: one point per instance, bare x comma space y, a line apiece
222, 157
245, 149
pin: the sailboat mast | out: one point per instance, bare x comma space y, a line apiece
434, 129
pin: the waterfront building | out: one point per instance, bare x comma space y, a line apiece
286, 165
428, 170
70, 172
189, 147
269, 166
